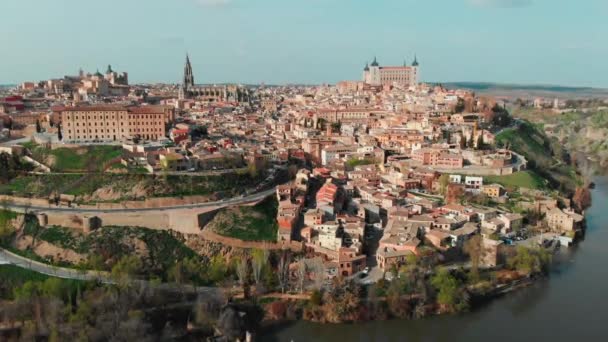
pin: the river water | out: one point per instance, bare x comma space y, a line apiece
572, 305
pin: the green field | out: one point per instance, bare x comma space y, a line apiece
90, 158
257, 223
524, 179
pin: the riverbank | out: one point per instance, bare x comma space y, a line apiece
347, 303
546, 309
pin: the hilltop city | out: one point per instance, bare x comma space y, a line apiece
287, 193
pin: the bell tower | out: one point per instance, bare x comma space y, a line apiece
188, 81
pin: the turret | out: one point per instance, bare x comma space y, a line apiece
415, 64
375, 62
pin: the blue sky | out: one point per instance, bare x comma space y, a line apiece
313, 41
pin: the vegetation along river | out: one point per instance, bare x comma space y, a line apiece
570, 305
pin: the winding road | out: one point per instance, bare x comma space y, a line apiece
7, 257
222, 203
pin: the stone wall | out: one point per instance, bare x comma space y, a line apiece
228, 241
184, 220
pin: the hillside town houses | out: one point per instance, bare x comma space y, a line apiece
370, 156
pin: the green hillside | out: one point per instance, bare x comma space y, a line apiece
546, 156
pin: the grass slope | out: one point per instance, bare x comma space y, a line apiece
526, 179
42, 186
158, 249
546, 156
91, 158
257, 223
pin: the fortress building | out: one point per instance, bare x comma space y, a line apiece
377, 75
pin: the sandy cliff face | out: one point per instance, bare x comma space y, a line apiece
48, 250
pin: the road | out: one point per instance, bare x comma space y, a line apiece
7, 257
165, 173
222, 203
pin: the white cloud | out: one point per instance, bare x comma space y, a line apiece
500, 3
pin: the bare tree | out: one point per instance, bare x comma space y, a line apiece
474, 248
317, 270
301, 274
241, 273
260, 259
283, 270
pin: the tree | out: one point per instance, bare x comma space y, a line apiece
283, 270
198, 131
501, 118
463, 142
335, 127
343, 301
449, 294
460, 106
301, 274
474, 249
252, 169
480, 143
126, 267
38, 127
317, 272
530, 260
444, 181
242, 275
471, 141
59, 133
292, 171
185, 271
217, 269
316, 298
258, 262
11, 166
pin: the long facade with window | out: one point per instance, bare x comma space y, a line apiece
113, 123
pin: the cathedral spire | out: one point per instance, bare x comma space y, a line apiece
188, 81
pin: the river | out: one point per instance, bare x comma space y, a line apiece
571, 305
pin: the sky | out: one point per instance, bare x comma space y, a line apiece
558, 42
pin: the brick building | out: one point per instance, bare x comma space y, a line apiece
113, 123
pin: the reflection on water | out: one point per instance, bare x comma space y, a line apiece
570, 306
